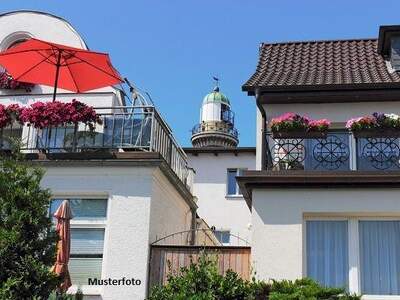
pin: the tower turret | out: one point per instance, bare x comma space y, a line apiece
217, 122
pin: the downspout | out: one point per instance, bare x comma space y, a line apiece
193, 227
264, 143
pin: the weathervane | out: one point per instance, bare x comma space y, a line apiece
216, 80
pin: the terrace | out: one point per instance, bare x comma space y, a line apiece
122, 129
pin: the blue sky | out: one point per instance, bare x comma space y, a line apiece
172, 48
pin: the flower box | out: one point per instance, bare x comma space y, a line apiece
299, 134
377, 133
291, 125
377, 125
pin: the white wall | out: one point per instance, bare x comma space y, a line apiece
142, 204
259, 137
41, 26
105, 99
169, 212
210, 111
127, 230
336, 112
278, 215
210, 188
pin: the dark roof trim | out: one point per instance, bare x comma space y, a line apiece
217, 150
385, 33
320, 87
302, 179
330, 96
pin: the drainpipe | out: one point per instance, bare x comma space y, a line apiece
193, 227
264, 143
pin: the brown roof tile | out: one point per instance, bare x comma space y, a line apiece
317, 64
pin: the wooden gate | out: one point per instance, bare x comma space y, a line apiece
165, 259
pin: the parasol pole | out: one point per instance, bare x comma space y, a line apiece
58, 65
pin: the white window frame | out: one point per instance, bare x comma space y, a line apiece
223, 230
237, 194
353, 251
100, 223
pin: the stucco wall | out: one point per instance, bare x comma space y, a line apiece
128, 218
106, 99
278, 215
169, 213
336, 112
210, 188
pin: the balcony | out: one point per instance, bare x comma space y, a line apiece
339, 151
122, 129
215, 127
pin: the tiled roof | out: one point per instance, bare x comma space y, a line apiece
321, 64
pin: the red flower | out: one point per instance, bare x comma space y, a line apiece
9, 83
45, 114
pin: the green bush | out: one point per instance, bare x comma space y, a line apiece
202, 281
27, 240
306, 289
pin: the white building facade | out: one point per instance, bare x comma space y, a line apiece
221, 203
128, 186
327, 207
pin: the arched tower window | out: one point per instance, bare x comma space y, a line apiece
14, 39
16, 43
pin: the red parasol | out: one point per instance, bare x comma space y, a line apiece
41, 62
63, 215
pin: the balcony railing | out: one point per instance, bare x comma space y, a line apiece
338, 151
217, 126
122, 129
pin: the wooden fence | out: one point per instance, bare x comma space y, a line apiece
167, 259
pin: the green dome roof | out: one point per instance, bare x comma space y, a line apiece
216, 96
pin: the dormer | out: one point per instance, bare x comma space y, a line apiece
389, 45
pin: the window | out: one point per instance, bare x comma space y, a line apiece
232, 186
223, 236
370, 246
87, 237
380, 257
327, 252
16, 43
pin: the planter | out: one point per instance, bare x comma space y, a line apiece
377, 133
300, 135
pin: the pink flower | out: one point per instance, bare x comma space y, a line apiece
7, 82
291, 121
41, 115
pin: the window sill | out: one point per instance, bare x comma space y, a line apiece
233, 196
87, 290
380, 297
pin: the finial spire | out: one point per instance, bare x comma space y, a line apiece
216, 83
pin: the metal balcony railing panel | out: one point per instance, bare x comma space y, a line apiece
319, 154
217, 127
122, 129
378, 153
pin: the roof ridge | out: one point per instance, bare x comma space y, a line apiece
320, 41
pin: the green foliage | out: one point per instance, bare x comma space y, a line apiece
27, 241
64, 296
202, 281
306, 289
